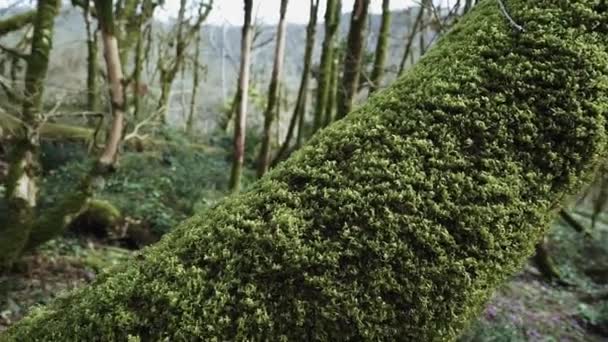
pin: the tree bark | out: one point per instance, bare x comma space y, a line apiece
299, 110
410, 40
330, 111
393, 224
93, 100
381, 47
241, 117
195, 85
105, 16
22, 184
273, 92
352, 58
332, 22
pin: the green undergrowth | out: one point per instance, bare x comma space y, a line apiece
531, 308
155, 188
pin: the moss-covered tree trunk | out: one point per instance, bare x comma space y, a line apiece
22, 181
393, 224
16, 22
381, 47
299, 111
273, 92
195, 85
330, 111
332, 20
353, 56
240, 120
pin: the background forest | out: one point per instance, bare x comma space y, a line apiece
118, 122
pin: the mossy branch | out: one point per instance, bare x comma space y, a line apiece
395, 223
16, 22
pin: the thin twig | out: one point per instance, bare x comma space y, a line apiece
504, 11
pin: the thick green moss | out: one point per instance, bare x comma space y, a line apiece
393, 224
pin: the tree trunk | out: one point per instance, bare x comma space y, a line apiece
195, 84
105, 16
170, 65
332, 17
393, 224
352, 58
410, 40
273, 92
467, 6
241, 117
426, 8
299, 110
381, 47
330, 111
22, 183
93, 100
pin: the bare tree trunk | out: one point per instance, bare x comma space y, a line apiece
352, 58
273, 92
410, 40
22, 184
381, 47
426, 8
241, 117
332, 20
300, 106
115, 79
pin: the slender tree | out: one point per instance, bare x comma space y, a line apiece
332, 21
410, 40
93, 98
333, 87
105, 16
273, 92
195, 84
381, 47
297, 118
353, 57
145, 25
426, 10
22, 185
170, 64
240, 119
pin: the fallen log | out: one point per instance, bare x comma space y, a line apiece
396, 223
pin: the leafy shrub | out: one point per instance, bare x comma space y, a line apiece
160, 188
